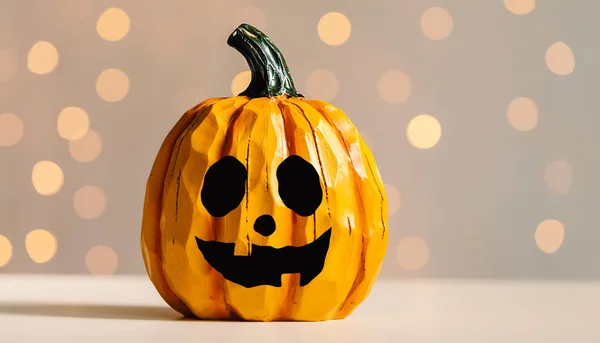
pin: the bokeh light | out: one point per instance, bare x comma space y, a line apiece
11, 129
41, 245
89, 202
47, 177
412, 253
240, 82
73, 123
519, 7
321, 84
5, 251
42, 58
8, 64
112, 85
560, 59
549, 235
113, 24
87, 148
101, 260
395, 87
393, 198
522, 114
423, 131
558, 176
334, 28
436, 23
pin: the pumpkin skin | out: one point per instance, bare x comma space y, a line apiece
194, 201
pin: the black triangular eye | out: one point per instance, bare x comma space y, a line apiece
224, 186
299, 185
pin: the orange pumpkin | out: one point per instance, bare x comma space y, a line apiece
264, 206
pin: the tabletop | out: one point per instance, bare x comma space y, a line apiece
69, 308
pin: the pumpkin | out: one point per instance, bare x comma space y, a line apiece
264, 206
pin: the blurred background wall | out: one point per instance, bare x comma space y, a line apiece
482, 115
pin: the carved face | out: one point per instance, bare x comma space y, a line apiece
300, 190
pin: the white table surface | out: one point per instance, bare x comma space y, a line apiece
38, 308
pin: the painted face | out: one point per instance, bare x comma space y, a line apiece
299, 189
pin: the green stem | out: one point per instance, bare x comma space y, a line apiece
270, 74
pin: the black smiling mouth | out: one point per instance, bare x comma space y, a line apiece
266, 264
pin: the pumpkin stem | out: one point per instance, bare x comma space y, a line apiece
270, 74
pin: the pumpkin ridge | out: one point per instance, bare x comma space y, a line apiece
248, 168
288, 135
349, 226
194, 113
227, 141
267, 176
199, 114
361, 206
150, 222
382, 197
363, 270
177, 195
360, 276
217, 224
286, 132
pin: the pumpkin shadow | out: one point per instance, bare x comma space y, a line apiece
93, 311
127, 312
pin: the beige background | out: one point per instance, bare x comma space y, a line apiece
509, 189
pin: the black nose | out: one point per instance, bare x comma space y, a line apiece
265, 225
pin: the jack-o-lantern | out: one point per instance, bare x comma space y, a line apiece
264, 206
